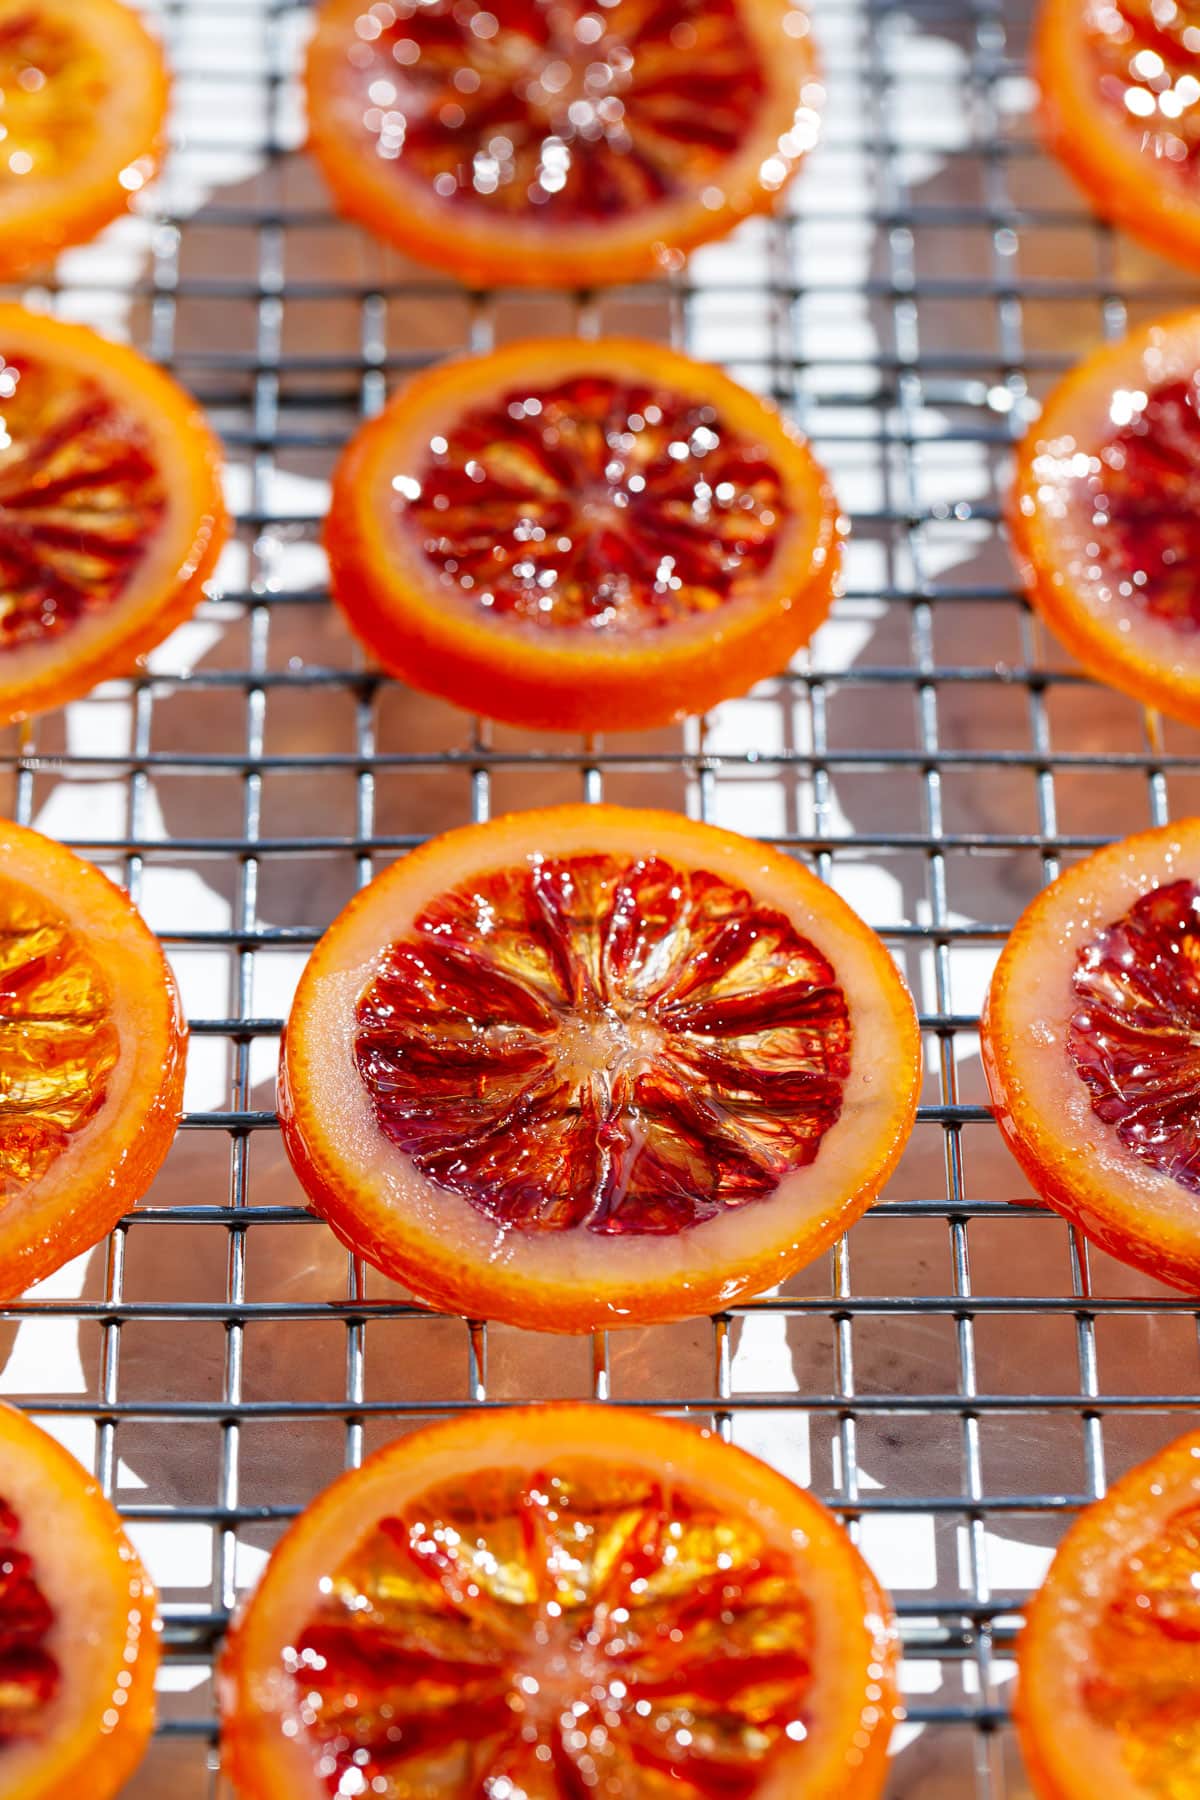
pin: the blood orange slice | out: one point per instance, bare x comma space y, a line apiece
83, 100
78, 1628
1121, 108
111, 516
557, 142
1089, 1042
561, 1601
1104, 513
1110, 1655
92, 1050
591, 1066
582, 536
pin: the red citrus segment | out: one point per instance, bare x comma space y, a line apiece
1110, 1656
593, 143
560, 1602
1144, 490
58, 1044
606, 1042
1144, 61
585, 535
83, 97
596, 502
1133, 1038
29, 1675
595, 1064
582, 1622
81, 499
111, 516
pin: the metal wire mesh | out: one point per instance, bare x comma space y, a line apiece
962, 1372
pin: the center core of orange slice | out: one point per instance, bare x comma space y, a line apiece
58, 1043
576, 1634
80, 499
1144, 491
595, 502
1135, 1035
603, 1041
574, 111
53, 82
29, 1675
1145, 1652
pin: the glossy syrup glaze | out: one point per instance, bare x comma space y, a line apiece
1134, 1037
596, 502
1147, 55
581, 1634
1143, 488
603, 1042
81, 499
52, 85
1143, 1673
560, 110
29, 1675
58, 1043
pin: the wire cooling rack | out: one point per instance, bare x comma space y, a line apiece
961, 1373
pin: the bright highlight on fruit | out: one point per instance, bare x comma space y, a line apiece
83, 101
1089, 1046
1110, 1656
111, 517
92, 1051
595, 1066
78, 1628
561, 1601
1104, 513
582, 536
555, 142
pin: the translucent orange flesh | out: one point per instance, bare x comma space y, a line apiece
1145, 54
81, 499
595, 502
1144, 1659
557, 109
1135, 1036
573, 1636
29, 1675
604, 1042
58, 1043
54, 83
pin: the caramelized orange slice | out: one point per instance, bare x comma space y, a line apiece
555, 141
1109, 1696
582, 536
83, 100
91, 1056
591, 1066
561, 1601
111, 517
78, 1628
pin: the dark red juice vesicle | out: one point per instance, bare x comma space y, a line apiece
556, 109
578, 1633
595, 503
29, 1675
1145, 503
606, 1042
1134, 1037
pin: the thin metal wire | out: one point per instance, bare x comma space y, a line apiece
962, 1372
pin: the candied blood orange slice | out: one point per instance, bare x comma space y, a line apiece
1121, 109
92, 1050
582, 536
1108, 1699
1104, 514
83, 101
78, 1628
561, 1601
1090, 1039
592, 1065
111, 516
557, 142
